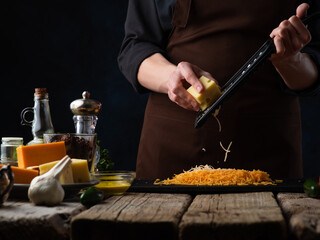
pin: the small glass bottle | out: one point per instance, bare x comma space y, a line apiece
41, 122
8, 150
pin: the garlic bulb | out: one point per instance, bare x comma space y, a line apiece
46, 189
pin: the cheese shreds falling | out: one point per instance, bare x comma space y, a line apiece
226, 150
219, 124
215, 115
207, 175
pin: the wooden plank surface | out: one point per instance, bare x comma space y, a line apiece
302, 213
23, 220
132, 216
167, 216
233, 216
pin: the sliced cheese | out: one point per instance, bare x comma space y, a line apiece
208, 96
80, 170
23, 176
65, 178
35, 155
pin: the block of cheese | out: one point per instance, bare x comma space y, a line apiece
80, 170
65, 178
35, 155
208, 96
23, 176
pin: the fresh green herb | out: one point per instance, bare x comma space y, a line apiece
105, 163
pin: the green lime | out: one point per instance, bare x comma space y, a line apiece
311, 188
91, 197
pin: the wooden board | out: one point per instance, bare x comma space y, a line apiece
147, 185
23, 220
233, 216
302, 213
132, 216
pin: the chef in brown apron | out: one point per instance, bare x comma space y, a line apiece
260, 122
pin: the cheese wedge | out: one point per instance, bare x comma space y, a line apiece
80, 170
65, 178
208, 96
23, 176
35, 155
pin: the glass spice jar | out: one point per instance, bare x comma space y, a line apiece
8, 150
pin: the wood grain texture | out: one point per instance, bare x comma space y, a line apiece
233, 216
23, 220
132, 216
302, 213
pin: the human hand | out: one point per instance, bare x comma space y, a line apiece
185, 74
290, 37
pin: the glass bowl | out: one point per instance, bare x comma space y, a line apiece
114, 182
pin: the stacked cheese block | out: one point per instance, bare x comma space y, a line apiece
44, 157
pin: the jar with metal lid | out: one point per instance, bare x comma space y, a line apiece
8, 150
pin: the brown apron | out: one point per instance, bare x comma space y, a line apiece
262, 121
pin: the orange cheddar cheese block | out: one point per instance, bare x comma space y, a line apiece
35, 155
22, 175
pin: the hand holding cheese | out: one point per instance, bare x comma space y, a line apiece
208, 96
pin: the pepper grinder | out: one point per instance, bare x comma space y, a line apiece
85, 112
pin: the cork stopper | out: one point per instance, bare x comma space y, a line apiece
40, 93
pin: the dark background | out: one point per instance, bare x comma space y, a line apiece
72, 46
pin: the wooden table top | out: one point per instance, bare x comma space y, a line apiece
256, 215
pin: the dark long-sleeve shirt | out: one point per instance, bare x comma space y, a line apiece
148, 26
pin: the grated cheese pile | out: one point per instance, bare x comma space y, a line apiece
207, 175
